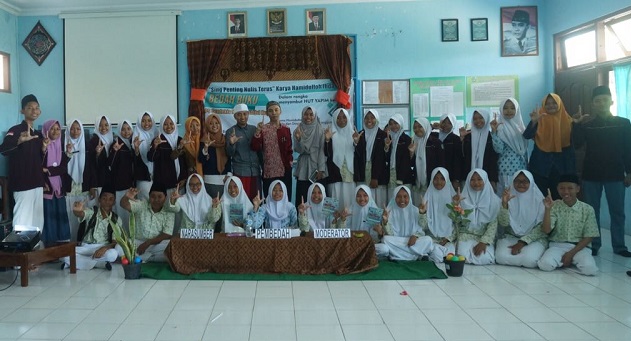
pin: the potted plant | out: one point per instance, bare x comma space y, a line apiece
127, 241
454, 263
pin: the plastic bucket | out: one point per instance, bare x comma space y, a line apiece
454, 268
132, 271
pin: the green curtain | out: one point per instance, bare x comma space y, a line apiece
622, 74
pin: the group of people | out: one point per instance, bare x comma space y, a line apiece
474, 193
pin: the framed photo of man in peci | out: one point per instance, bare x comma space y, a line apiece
277, 21
237, 25
449, 29
316, 21
519, 31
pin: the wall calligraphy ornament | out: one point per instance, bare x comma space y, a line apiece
39, 43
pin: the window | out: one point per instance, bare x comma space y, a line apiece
580, 48
618, 39
5, 74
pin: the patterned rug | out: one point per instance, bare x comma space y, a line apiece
385, 271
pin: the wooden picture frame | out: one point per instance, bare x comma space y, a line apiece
520, 32
479, 29
315, 21
449, 30
277, 21
237, 24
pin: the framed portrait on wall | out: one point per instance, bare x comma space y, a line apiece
519, 31
316, 21
237, 24
449, 29
277, 21
479, 29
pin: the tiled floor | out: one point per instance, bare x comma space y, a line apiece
487, 303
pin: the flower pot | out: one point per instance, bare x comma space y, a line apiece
132, 271
454, 268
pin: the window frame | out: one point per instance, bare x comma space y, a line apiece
6, 66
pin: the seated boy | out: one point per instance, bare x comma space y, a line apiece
154, 224
571, 225
95, 233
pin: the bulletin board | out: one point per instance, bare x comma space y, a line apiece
434, 96
388, 97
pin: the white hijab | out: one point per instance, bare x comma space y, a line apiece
511, 130
420, 160
359, 213
172, 140
438, 219
454, 129
371, 134
525, 209
404, 220
195, 206
108, 138
277, 211
317, 219
485, 205
120, 129
479, 137
343, 148
227, 200
395, 140
76, 165
146, 136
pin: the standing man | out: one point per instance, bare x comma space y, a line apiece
245, 161
607, 165
26, 148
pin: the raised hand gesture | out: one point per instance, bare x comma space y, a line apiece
298, 133
69, 148
458, 197
356, 135
422, 207
388, 140
302, 208
535, 115
157, 141
345, 213
131, 193
412, 148
385, 215
328, 133
117, 145
579, 117
175, 194
257, 201
216, 200
233, 136
494, 124
547, 201
137, 142
45, 143
506, 197
26, 136
99, 147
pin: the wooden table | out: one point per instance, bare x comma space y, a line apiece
300, 255
25, 259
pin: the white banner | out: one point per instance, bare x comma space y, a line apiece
293, 96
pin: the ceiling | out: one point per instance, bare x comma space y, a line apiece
55, 7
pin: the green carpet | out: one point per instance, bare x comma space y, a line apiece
385, 271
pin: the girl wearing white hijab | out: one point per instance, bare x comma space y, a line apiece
310, 215
407, 242
356, 221
340, 152
436, 222
309, 144
196, 205
121, 162
476, 238
450, 148
401, 157
426, 156
277, 212
80, 174
167, 155
522, 215
97, 153
145, 132
235, 195
371, 165
509, 142
477, 147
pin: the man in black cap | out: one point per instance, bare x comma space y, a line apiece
522, 38
26, 148
97, 247
607, 141
154, 223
